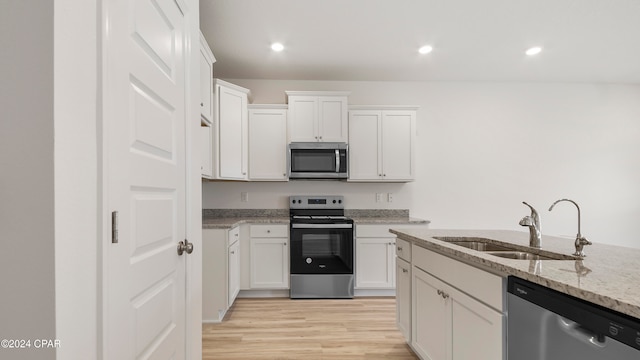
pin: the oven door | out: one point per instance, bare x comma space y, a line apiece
321, 248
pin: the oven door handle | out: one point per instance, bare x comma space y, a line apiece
322, 226
337, 160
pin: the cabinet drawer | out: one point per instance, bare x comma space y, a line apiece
275, 231
403, 249
480, 284
234, 235
376, 231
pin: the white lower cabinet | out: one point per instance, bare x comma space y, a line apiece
447, 322
375, 263
269, 257
403, 297
220, 272
375, 257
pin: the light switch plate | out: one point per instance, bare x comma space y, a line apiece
389, 197
378, 197
244, 196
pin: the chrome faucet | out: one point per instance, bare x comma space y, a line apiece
581, 241
533, 222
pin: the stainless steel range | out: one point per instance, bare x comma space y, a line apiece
322, 248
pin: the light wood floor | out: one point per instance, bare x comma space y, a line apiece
361, 328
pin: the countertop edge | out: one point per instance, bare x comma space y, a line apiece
502, 266
229, 223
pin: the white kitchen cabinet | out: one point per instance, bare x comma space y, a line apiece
381, 143
230, 131
457, 310
220, 272
267, 142
403, 288
206, 155
269, 257
206, 81
234, 272
375, 257
375, 263
317, 116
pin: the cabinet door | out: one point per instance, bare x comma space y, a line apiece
476, 330
398, 128
206, 83
303, 118
234, 272
375, 263
206, 153
233, 133
431, 326
332, 118
269, 263
268, 144
403, 298
364, 152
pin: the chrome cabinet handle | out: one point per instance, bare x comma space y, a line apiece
443, 294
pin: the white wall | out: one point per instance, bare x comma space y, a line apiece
26, 176
483, 148
48, 202
76, 178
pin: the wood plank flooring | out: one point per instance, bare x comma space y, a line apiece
279, 328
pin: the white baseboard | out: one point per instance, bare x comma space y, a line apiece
374, 292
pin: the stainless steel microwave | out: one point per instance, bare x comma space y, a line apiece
318, 160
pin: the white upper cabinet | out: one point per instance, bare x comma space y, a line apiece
267, 142
230, 129
381, 143
206, 81
317, 116
206, 156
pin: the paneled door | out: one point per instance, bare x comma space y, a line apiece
145, 172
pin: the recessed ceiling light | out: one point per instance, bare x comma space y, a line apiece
425, 49
277, 47
533, 51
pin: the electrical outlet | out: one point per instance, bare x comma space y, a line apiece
244, 196
378, 197
389, 197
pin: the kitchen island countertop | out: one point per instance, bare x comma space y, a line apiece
607, 276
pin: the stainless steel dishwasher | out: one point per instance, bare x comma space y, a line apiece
544, 324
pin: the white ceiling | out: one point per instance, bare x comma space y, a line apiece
473, 40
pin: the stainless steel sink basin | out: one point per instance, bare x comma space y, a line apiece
521, 255
481, 246
504, 250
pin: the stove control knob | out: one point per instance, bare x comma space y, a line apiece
339, 201
334, 201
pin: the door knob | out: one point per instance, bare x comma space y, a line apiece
185, 246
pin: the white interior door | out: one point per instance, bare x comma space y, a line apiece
144, 108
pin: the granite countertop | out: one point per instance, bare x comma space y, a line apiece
607, 276
229, 218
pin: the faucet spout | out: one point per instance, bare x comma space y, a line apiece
533, 222
581, 241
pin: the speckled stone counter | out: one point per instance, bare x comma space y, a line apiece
384, 216
228, 218
609, 276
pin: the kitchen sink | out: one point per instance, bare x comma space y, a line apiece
480, 246
504, 250
524, 255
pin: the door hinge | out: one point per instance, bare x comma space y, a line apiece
114, 227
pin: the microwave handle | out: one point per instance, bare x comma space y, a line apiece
337, 160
